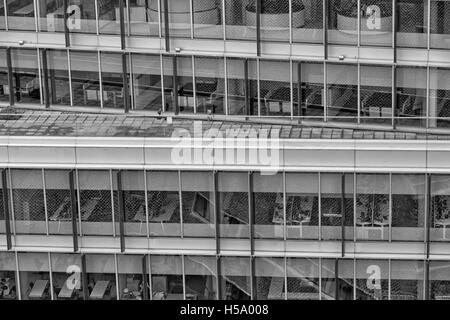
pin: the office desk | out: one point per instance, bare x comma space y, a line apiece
99, 290
38, 289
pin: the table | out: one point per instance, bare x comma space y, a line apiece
99, 289
38, 289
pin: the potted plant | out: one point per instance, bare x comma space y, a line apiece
375, 15
275, 14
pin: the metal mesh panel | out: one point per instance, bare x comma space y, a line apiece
235, 275
240, 19
28, 201
342, 21
161, 203
307, 21
372, 280
234, 207
412, 23
275, 19
179, 18
439, 280
302, 279
407, 280
344, 285
59, 208
440, 24
207, 17
269, 276
439, 105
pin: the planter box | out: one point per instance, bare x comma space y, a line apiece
350, 24
276, 21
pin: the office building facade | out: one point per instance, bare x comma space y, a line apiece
354, 95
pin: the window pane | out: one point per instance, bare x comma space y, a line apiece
376, 94
101, 277
269, 279
411, 95
147, 82
233, 204
275, 88
440, 207
200, 278
275, 18
58, 77
344, 274
130, 277
20, 15
179, 17
184, 92
439, 105
59, 207
2, 212
51, 16
440, 24
235, 277
167, 279
302, 279
241, 88
307, 21
2, 17
4, 86
85, 79
372, 206
372, 277
144, 18
8, 288
439, 280
95, 202
342, 97
208, 19
312, 90
210, 85
112, 80
67, 279
163, 203
197, 190
26, 75
34, 276
302, 205
109, 16
331, 205
269, 205
408, 207
240, 18
412, 23
407, 280
376, 22
28, 201
343, 21
82, 16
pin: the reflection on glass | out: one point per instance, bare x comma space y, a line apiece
407, 280
66, 276
197, 192
8, 288
233, 204
131, 284
408, 207
302, 279
411, 95
333, 200
440, 24
163, 203
26, 75
81, 16
307, 21
34, 276
200, 278
210, 85
242, 86
101, 277
109, 16
94, 189
147, 82
20, 15
240, 19
28, 201
167, 279
372, 206
312, 90
113, 92
85, 78
207, 16
439, 280
59, 207
343, 271
439, 98
376, 94
372, 277
235, 278
342, 93
58, 77
275, 88
302, 206
51, 15
412, 23
269, 205
269, 279
440, 208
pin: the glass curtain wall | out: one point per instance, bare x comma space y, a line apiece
240, 19
109, 16
439, 98
440, 24
113, 92
439, 280
372, 279
101, 277
51, 15
302, 278
235, 278
21, 15
311, 93
200, 273
307, 21
8, 282
59, 206
412, 23
337, 279
440, 207
131, 282
208, 20
26, 75
242, 75
147, 82
275, 88
34, 276
167, 278
210, 85
58, 77
4, 85
407, 280
67, 276
143, 18
85, 77
270, 279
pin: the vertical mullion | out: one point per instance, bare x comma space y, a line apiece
284, 207
390, 209
191, 17
194, 85
258, 27
336, 279
46, 79
146, 204
427, 280
18, 284
38, 54
427, 112
183, 275
252, 279
428, 25
251, 212
145, 293
6, 210
113, 209
299, 90
66, 29
325, 92
225, 78
358, 104
6, 14
290, 22
428, 214
84, 277
166, 25
175, 84
291, 84
395, 28
116, 273
319, 197
343, 215
258, 85
389, 279
69, 70
10, 77
45, 201
325, 29
216, 210
97, 26
121, 212
180, 197
100, 77
125, 83
358, 26
218, 280
122, 24
52, 294
394, 96
73, 210
246, 89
